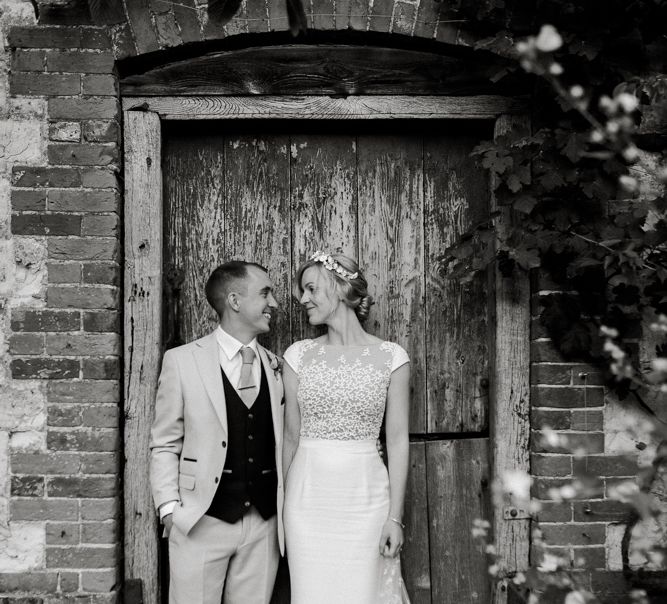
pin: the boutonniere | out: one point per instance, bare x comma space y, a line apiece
276, 363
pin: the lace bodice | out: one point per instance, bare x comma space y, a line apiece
343, 389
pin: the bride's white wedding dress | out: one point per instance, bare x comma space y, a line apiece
337, 488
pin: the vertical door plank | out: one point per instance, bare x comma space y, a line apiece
194, 228
142, 340
457, 479
257, 227
324, 204
390, 249
457, 362
510, 388
415, 555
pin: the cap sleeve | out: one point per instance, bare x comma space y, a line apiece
293, 356
399, 357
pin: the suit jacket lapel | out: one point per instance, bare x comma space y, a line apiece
275, 394
208, 363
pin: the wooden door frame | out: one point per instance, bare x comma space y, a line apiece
510, 314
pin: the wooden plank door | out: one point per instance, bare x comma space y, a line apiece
394, 195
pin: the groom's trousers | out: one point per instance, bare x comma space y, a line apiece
240, 558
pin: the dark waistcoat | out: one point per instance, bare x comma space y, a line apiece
249, 477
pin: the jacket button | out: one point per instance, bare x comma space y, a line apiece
250, 437
247, 504
224, 444
216, 480
250, 460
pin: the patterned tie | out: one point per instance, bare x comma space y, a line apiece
247, 387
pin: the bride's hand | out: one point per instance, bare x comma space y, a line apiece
391, 540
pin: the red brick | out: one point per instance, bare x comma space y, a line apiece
359, 11
83, 108
555, 511
28, 60
31, 582
591, 442
101, 321
44, 37
43, 509
79, 62
44, 84
381, 15
574, 534
608, 465
100, 85
82, 248
103, 368
551, 465
107, 273
544, 351
404, 18
98, 391
95, 38
101, 416
81, 557
69, 582
542, 487
82, 154
566, 397
44, 369
83, 201
104, 225
68, 132
565, 375
45, 463
27, 486
83, 344
98, 131
101, 178
100, 509
46, 224
589, 557
587, 419
100, 463
39, 176
603, 510
28, 201
76, 439
558, 419
45, 320
82, 486
26, 343
60, 416
606, 582
82, 297
62, 533
64, 272
99, 581
99, 532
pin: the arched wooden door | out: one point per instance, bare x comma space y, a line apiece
394, 195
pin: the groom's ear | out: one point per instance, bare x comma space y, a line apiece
233, 301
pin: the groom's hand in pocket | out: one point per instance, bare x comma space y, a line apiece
168, 522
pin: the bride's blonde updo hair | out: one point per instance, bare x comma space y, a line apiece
345, 276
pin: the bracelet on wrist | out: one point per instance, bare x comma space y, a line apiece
397, 521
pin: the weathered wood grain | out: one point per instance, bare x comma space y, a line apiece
457, 481
195, 224
415, 556
314, 107
312, 70
142, 341
257, 228
391, 249
456, 196
324, 204
510, 390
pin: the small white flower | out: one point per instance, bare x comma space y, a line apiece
629, 183
550, 563
577, 91
610, 332
567, 491
575, 597
630, 153
660, 364
597, 136
517, 482
628, 102
548, 39
555, 69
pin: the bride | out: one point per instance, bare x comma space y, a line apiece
343, 510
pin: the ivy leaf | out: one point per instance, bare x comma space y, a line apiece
526, 258
574, 147
524, 204
497, 162
551, 180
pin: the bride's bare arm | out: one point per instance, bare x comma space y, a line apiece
398, 452
292, 418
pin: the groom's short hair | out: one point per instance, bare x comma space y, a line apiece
224, 279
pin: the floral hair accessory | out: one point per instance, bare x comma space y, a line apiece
331, 265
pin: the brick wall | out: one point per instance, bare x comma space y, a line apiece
60, 206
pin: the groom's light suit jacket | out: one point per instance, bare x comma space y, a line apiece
189, 435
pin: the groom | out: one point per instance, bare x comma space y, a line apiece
216, 464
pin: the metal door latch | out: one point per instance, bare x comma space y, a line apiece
511, 512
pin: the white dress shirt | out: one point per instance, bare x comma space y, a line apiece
231, 362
